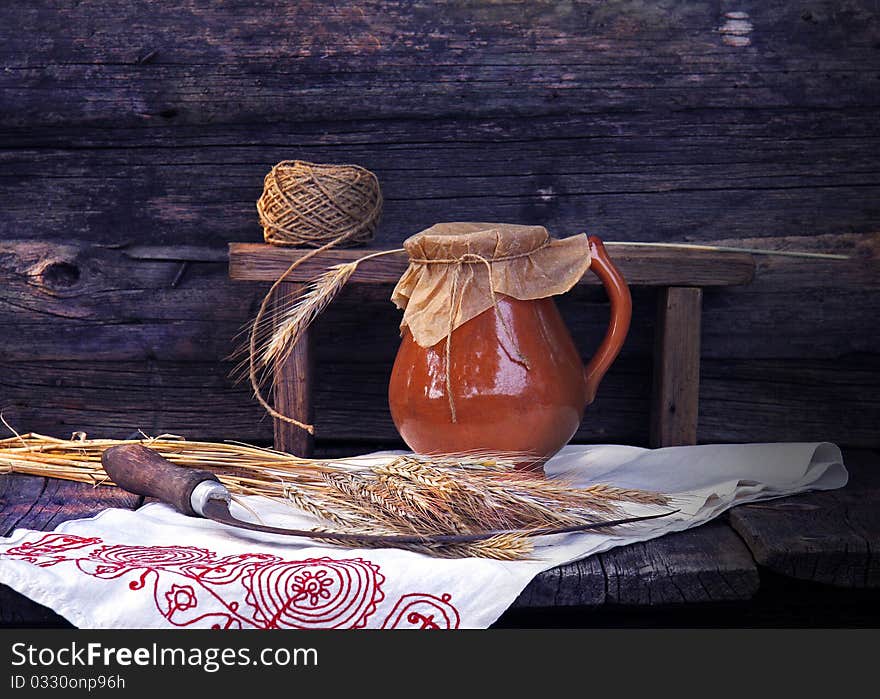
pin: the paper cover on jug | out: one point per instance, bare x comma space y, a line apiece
448, 279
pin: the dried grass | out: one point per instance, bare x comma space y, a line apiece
478, 497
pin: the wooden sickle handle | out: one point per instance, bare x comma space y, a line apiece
144, 472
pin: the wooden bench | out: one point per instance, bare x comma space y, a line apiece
679, 274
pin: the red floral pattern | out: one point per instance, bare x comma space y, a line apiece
51, 549
422, 611
180, 598
250, 590
315, 593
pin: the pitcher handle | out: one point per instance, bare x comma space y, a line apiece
621, 313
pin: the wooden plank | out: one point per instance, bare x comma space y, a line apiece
740, 400
77, 300
293, 389
676, 379
705, 565
121, 323
554, 135
112, 64
194, 399
762, 173
643, 61
578, 584
30, 502
828, 537
199, 401
616, 117
640, 266
771, 400
18, 495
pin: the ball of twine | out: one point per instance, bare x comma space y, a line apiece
312, 204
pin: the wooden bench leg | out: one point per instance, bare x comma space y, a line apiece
676, 367
293, 394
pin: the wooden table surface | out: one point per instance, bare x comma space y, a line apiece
829, 540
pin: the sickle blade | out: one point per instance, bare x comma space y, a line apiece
218, 511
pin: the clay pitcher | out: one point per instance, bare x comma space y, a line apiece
516, 379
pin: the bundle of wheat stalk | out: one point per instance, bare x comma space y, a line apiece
395, 495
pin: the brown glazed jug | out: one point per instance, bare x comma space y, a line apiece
501, 403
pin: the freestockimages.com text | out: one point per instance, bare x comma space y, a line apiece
208, 659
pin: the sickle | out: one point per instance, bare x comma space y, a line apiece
198, 493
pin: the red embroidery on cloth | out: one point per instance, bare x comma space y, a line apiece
315, 593
422, 611
254, 590
51, 549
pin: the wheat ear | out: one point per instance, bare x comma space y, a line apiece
321, 291
501, 547
259, 362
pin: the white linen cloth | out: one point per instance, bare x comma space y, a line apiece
156, 568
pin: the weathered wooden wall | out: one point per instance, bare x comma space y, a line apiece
134, 138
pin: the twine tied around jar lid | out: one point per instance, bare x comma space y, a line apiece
524, 262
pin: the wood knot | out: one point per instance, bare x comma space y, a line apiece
60, 275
